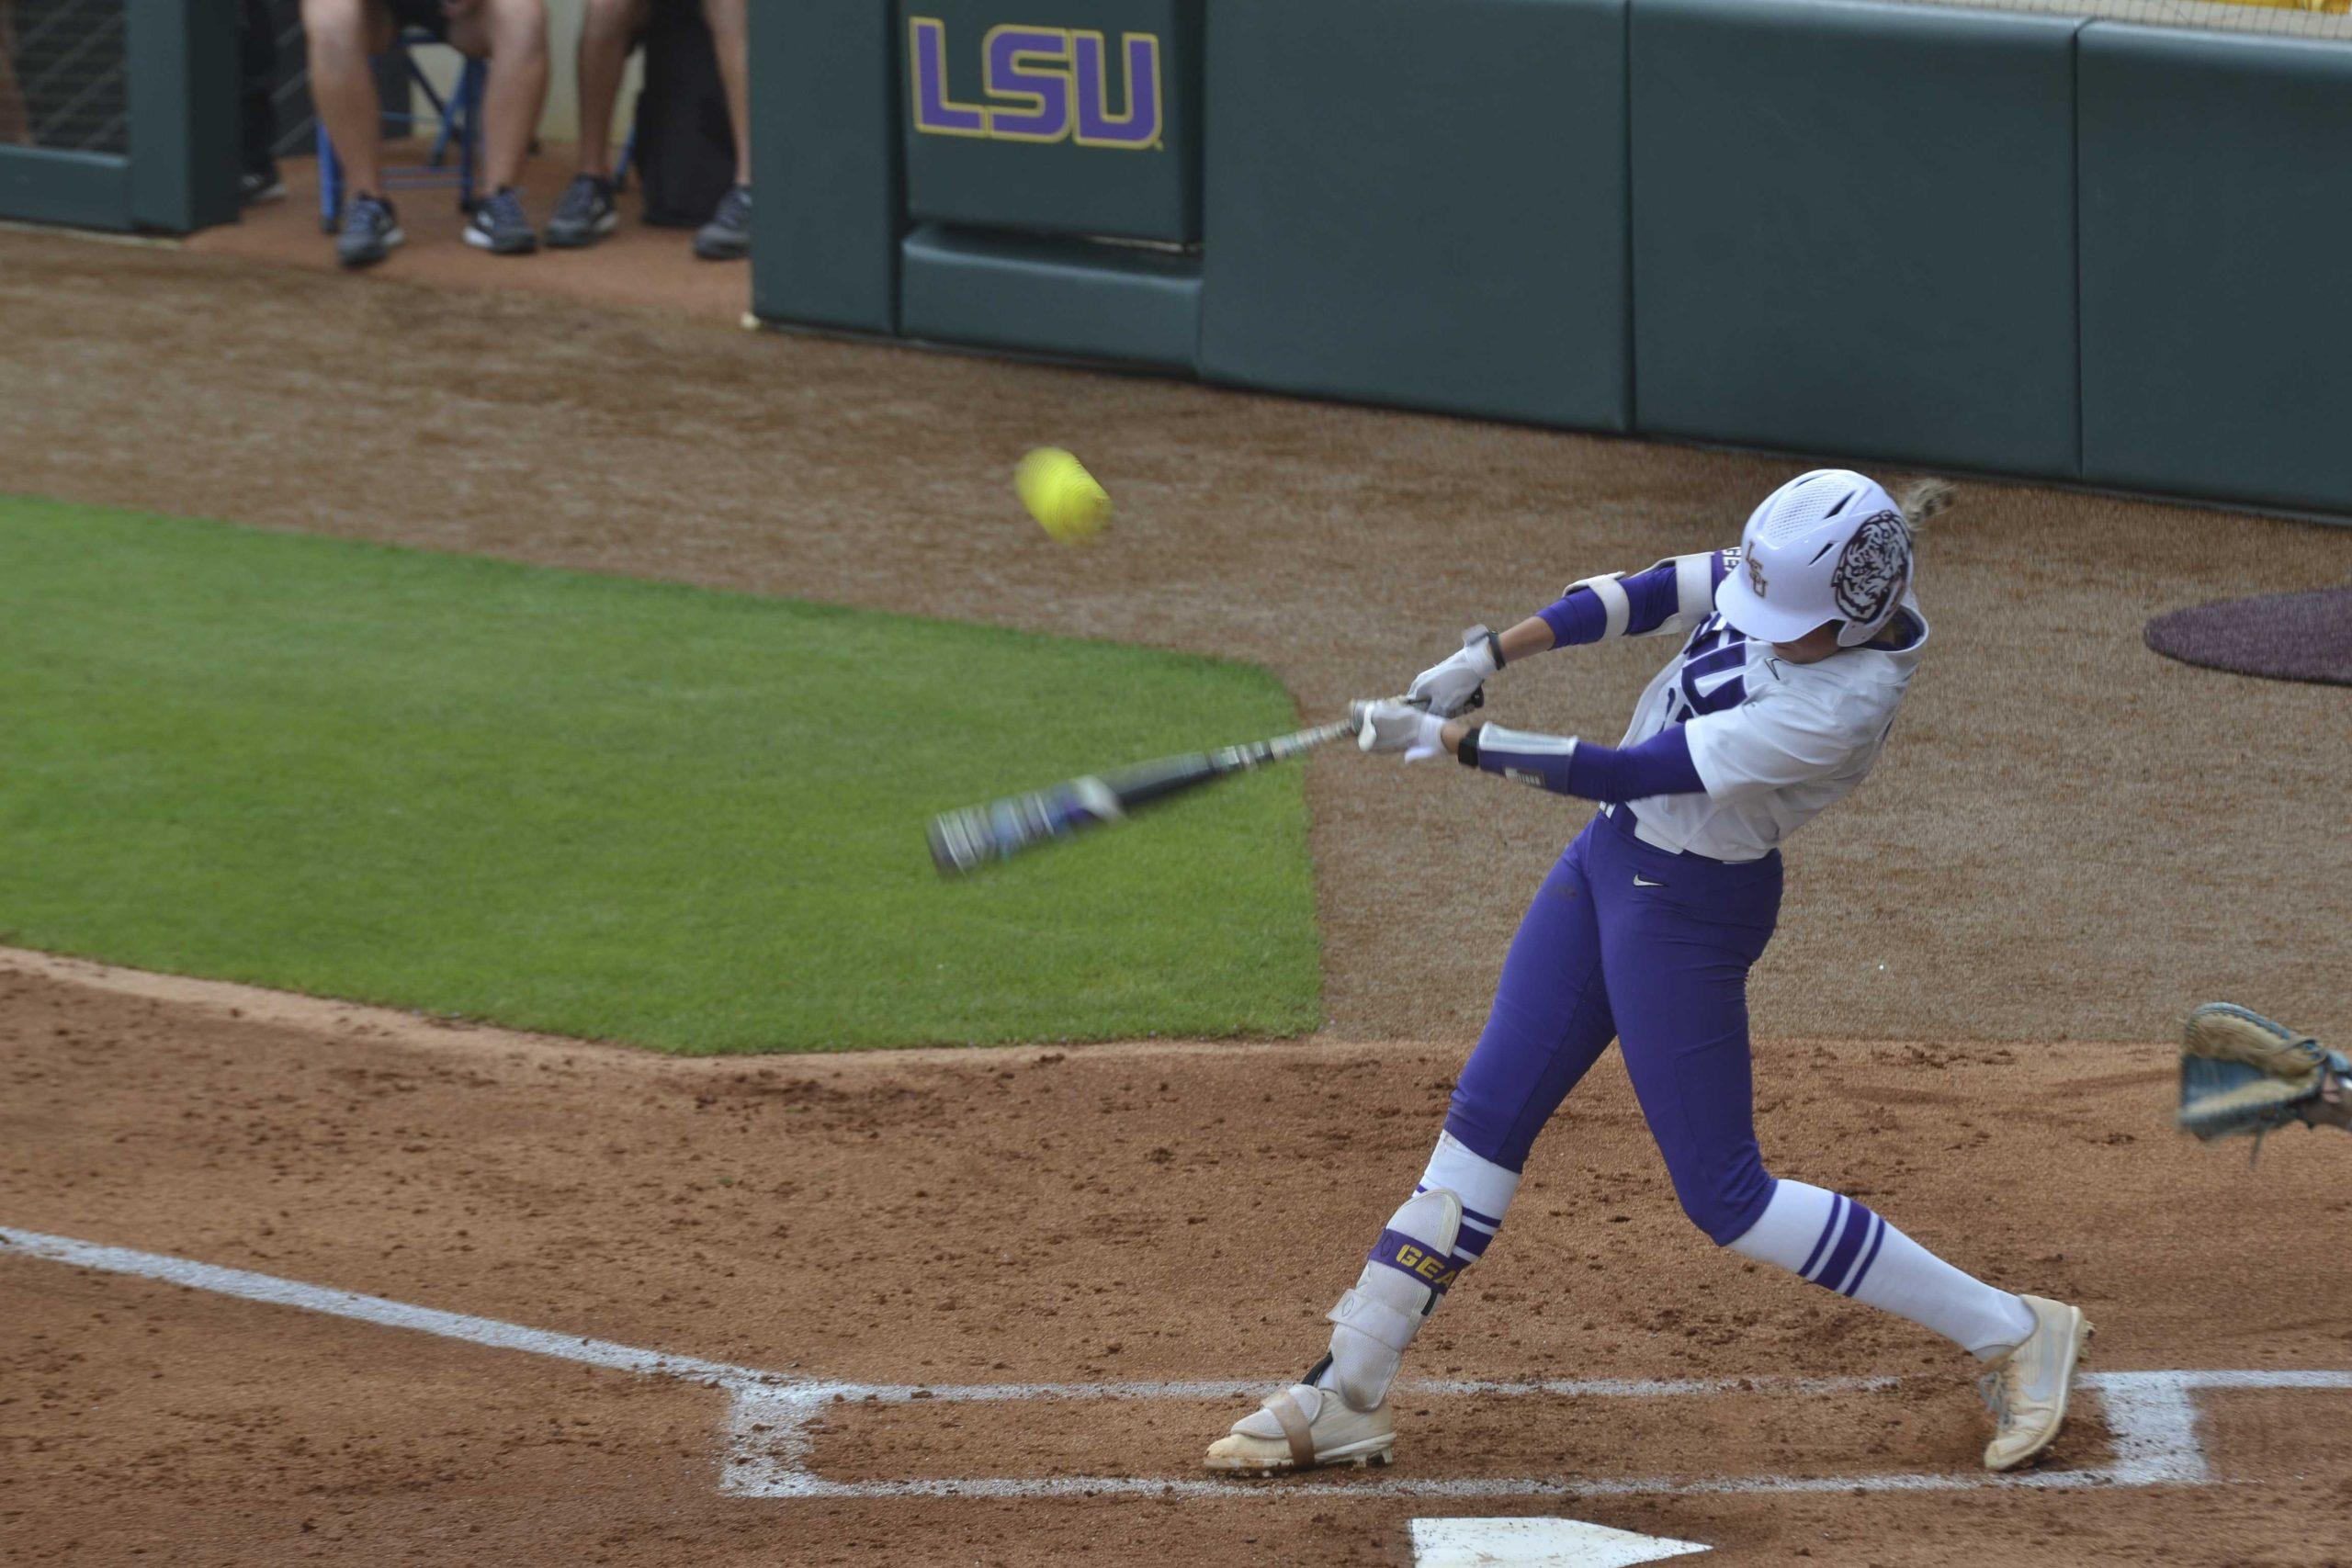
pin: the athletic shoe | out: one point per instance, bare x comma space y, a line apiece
2026, 1389
584, 213
1303, 1426
370, 230
259, 185
500, 226
728, 235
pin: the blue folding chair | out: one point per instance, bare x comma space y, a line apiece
459, 124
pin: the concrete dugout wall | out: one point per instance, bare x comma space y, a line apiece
1986, 241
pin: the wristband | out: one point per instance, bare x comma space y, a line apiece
1466, 753
1430, 736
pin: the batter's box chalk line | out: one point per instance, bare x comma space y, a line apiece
2151, 1415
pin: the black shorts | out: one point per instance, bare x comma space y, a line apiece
425, 14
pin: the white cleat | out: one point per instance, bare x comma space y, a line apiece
2026, 1389
1301, 1428
1340, 1414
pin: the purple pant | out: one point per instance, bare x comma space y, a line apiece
1660, 964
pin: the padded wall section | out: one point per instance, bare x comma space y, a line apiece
1419, 203
181, 58
89, 190
1048, 296
2216, 214
1853, 230
825, 160
1070, 117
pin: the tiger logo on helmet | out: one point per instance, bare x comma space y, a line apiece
1873, 568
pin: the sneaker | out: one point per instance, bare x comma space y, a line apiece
259, 185
728, 235
500, 226
584, 213
370, 230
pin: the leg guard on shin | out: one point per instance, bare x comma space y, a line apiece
1409, 1270
1340, 1414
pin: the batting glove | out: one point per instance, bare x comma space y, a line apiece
1385, 725
1448, 687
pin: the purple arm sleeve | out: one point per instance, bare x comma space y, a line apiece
1661, 765
1578, 616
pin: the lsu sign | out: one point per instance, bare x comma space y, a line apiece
1040, 85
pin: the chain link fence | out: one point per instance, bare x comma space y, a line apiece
2288, 18
64, 85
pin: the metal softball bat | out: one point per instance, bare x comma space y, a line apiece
964, 840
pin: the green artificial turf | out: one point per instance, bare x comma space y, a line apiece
612, 808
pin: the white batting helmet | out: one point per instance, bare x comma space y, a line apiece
1827, 546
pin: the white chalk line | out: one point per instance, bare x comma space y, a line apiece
2151, 1415
248, 1286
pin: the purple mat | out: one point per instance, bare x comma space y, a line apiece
2283, 636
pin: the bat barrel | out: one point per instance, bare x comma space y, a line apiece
962, 842
956, 846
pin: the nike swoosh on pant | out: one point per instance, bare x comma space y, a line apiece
1641, 881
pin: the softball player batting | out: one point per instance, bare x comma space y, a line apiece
1797, 648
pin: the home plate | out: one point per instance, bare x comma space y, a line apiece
1536, 1543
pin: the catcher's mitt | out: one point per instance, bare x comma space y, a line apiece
2241, 1073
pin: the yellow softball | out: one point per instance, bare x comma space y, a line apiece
1061, 495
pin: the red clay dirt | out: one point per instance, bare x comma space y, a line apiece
2072, 839
1122, 1213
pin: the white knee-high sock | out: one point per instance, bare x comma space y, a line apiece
1839, 1245
1484, 1187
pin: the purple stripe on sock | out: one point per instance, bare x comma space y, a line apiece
1415, 1259
1856, 1231
1837, 1207
1878, 1239
1471, 1244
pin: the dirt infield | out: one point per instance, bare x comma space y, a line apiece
1123, 1214
2071, 839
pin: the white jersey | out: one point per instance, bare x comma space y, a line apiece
1775, 743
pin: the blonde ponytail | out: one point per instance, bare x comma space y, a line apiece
1922, 499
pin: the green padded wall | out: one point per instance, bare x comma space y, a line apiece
1854, 229
181, 56
1094, 126
1043, 294
2216, 215
1419, 203
825, 160
88, 190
